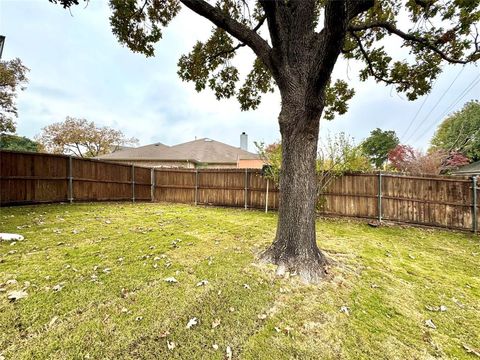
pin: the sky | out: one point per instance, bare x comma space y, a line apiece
78, 69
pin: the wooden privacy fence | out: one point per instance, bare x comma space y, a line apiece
29, 178
26, 178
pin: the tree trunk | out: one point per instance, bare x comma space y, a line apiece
295, 249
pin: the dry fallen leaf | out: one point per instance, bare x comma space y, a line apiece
441, 308
215, 323
430, 324
471, 350
54, 319
16, 295
192, 322
345, 310
57, 287
215, 347
202, 283
262, 316
229, 353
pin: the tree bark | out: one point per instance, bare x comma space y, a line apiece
295, 248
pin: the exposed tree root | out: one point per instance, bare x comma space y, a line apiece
311, 269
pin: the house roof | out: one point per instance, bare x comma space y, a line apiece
210, 151
157, 151
470, 169
201, 151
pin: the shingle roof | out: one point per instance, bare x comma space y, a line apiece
157, 151
470, 169
210, 151
203, 150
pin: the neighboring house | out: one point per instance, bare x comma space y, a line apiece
115, 148
202, 153
469, 170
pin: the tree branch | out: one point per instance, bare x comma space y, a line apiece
409, 37
239, 45
371, 68
239, 31
355, 8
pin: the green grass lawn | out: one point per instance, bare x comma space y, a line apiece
95, 278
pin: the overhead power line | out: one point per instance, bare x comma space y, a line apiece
416, 114
436, 104
464, 92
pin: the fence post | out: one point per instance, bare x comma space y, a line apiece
70, 180
266, 198
152, 182
196, 186
246, 189
380, 196
133, 183
475, 204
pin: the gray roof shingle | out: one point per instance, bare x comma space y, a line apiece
470, 169
202, 150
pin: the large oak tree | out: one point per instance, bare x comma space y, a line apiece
297, 44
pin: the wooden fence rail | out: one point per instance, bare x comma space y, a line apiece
29, 178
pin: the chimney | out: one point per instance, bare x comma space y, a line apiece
244, 141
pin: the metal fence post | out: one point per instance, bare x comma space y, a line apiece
266, 198
196, 186
70, 180
246, 189
133, 183
380, 196
475, 204
152, 182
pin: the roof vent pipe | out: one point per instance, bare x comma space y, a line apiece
244, 141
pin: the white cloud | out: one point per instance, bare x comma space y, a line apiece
79, 69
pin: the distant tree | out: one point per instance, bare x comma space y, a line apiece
272, 156
13, 76
401, 157
296, 44
378, 145
406, 159
460, 132
453, 161
81, 138
339, 154
17, 143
